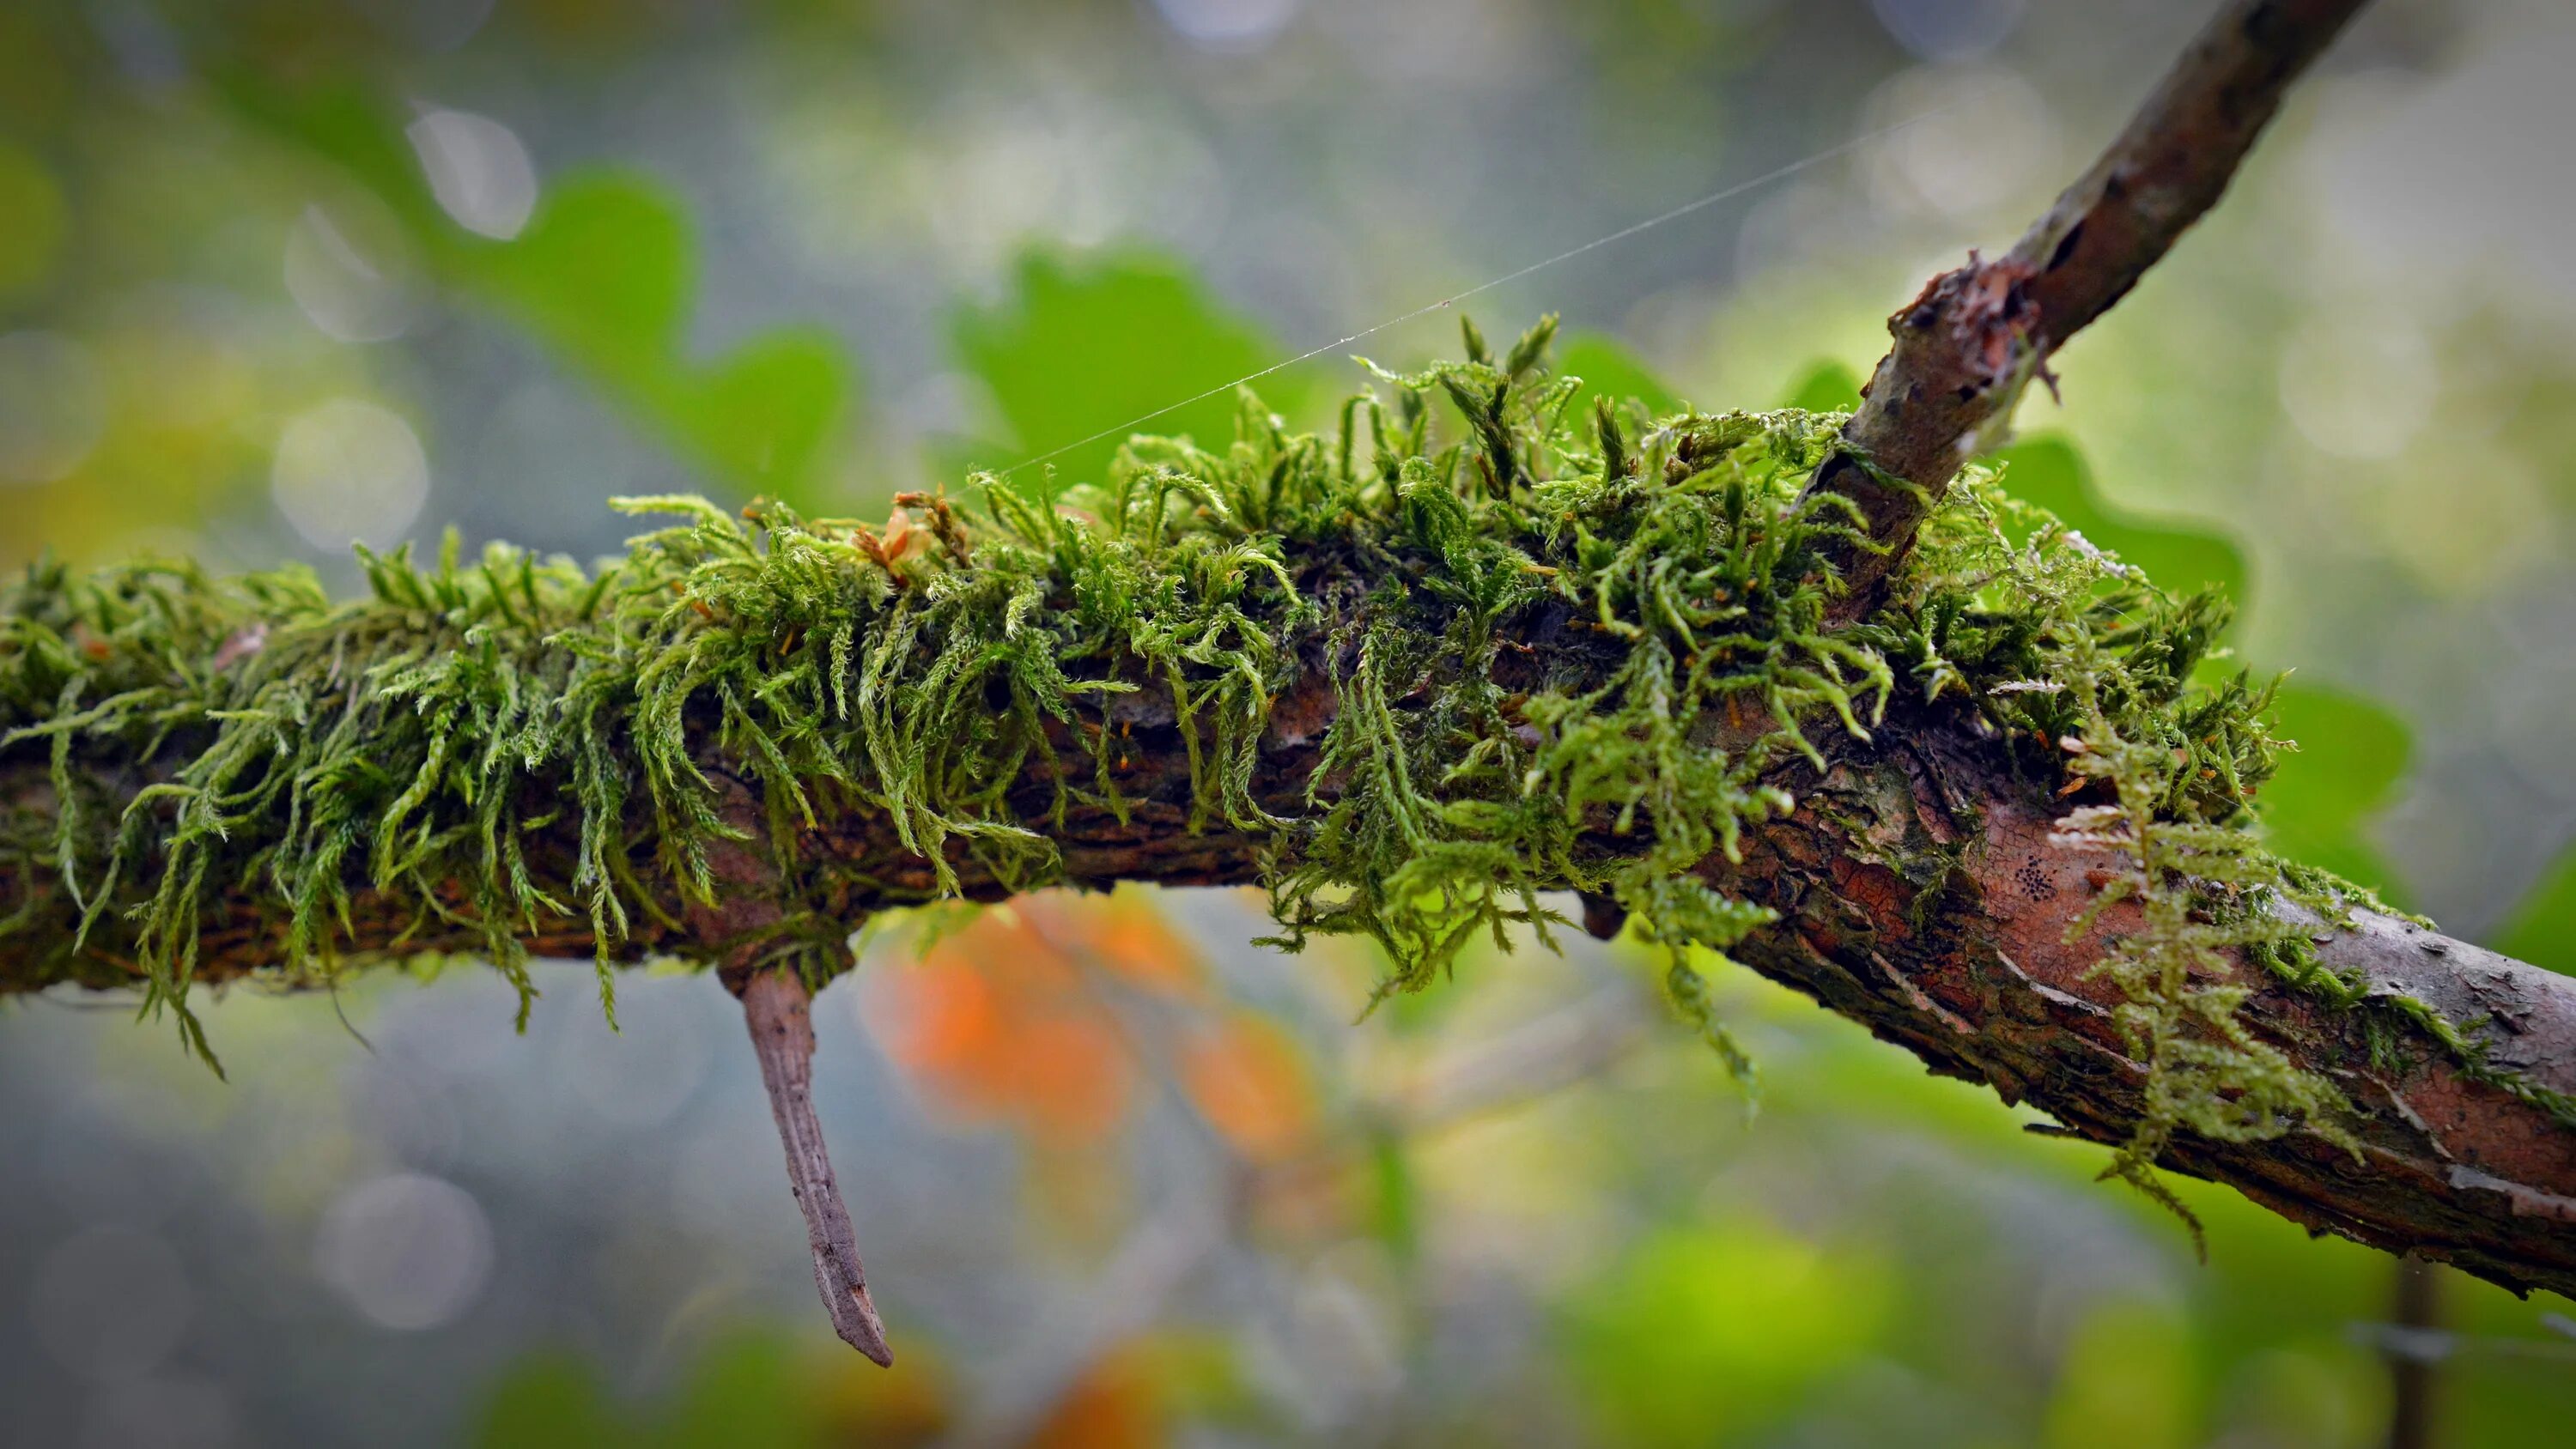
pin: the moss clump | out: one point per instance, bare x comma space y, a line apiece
2106, 670
1569, 651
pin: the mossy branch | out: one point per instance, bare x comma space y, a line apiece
1412, 695
1967, 781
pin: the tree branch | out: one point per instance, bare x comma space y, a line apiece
1920, 894
1966, 348
1917, 885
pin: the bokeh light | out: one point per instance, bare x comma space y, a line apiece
53, 405
2358, 387
406, 1251
348, 469
478, 170
1950, 30
351, 272
1227, 24
1971, 137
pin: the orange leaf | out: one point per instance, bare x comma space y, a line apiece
1248, 1080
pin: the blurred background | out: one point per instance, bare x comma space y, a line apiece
280, 274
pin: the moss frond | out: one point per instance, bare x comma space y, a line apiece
2064, 644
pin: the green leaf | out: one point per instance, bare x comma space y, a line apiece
1701, 1335
1082, 345
748, 1389
2128, 1375
603, 271
605, 276
2180, 558
747, 1393
342, 123
768, 414
1828, 387
2542, 930
1610, 370
2351, 755
1395, 1198
549, 1400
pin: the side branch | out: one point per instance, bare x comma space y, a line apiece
1965, 349
778, 1008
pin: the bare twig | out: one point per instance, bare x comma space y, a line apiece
779, 1009
1966, 347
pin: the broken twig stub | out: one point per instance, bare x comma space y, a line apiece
779, 1009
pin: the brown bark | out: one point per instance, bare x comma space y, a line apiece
1921, 895
1965, 349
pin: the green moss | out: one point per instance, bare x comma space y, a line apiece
2091, 661
1571, 649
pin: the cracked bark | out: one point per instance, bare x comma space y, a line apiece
1920, 895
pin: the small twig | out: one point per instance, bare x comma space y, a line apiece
780, 1012
1966, 347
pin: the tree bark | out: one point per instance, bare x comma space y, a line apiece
1920, 894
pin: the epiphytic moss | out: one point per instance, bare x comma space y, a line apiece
1567, 650
2091, 660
